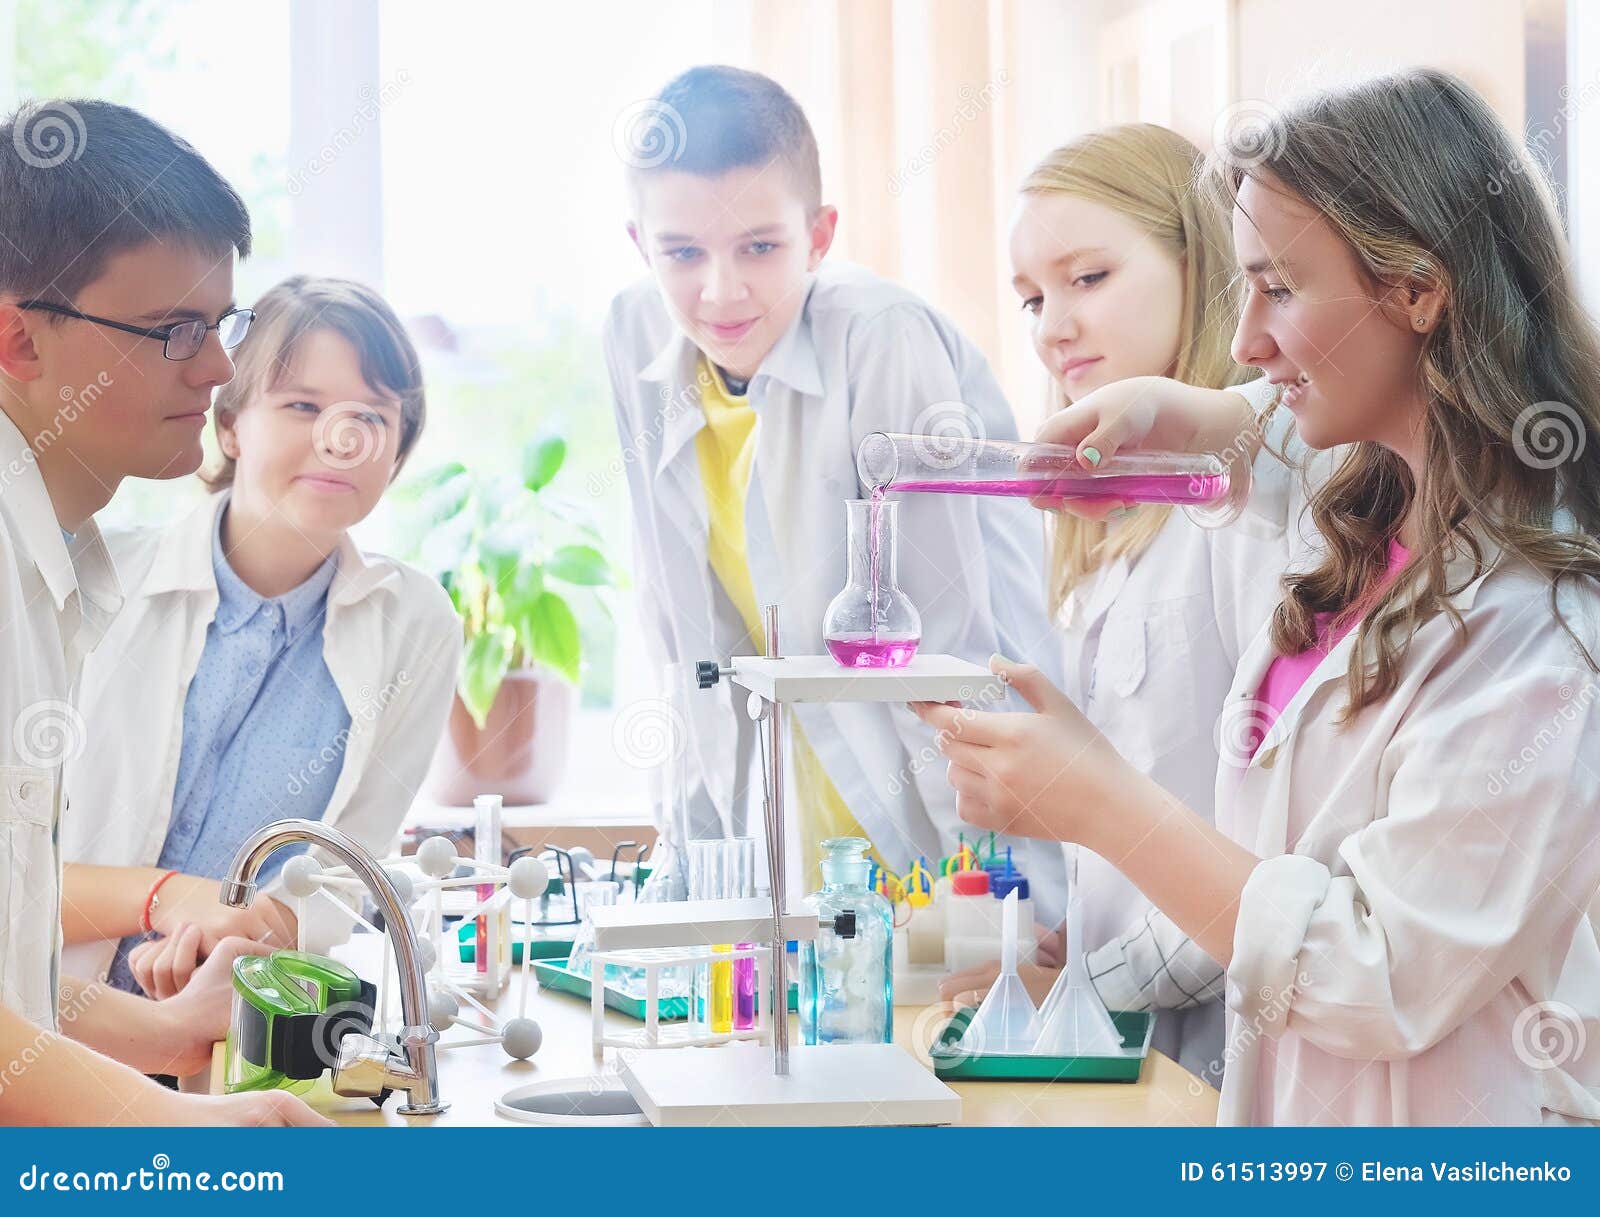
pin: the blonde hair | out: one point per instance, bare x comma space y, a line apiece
1426, 186
1147, 174
305, 304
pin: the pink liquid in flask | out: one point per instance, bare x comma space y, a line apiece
880, 628
865, 651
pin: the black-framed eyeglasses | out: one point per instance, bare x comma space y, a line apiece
182, 340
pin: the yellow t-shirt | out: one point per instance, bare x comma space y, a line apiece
726, 447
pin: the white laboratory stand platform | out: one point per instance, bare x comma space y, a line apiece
810, 678
692, 923
835, 1085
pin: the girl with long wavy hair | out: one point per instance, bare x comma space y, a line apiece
1405, 845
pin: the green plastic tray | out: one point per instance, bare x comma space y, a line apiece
543, 947
952, 1065
553, 974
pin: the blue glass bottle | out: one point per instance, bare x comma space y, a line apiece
847, 974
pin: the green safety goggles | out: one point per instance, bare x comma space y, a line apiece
290, 1010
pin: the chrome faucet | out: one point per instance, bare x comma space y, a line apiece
366, 1065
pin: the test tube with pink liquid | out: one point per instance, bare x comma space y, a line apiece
1200, 483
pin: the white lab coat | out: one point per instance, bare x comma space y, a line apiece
1150, 648
392, 642
862, 355
55, 601
1413, 947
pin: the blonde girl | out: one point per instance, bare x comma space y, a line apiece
1125, 269
1405, 843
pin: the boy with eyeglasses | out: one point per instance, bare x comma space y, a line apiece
116, 305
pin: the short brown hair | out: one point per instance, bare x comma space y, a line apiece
82, 180
305, 304
713, 119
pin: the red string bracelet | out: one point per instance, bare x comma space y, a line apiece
150, 903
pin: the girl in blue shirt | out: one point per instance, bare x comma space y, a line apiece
263, 667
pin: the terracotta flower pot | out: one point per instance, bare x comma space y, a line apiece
520, 752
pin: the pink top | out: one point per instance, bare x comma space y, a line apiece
1287, 673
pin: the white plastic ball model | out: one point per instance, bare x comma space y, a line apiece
529, 878
443, 1009
426, 955
437, 857
404, 885
521, 1037
300, 876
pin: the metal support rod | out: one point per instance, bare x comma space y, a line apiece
773, 725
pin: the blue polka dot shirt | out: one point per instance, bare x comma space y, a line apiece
264, 729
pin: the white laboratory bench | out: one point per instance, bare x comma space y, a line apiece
471, 1079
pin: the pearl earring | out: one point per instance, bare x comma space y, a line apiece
1421, 322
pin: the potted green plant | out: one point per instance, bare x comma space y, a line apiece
512, 555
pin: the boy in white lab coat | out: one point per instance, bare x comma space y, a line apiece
745, 375
116, 305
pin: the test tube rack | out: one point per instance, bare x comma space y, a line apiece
834, 1084
675, 934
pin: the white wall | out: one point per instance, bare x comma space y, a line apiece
1287, 46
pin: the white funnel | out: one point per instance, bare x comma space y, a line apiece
1007, 1021
1073, 1020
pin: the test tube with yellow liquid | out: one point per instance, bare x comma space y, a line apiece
721, 869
